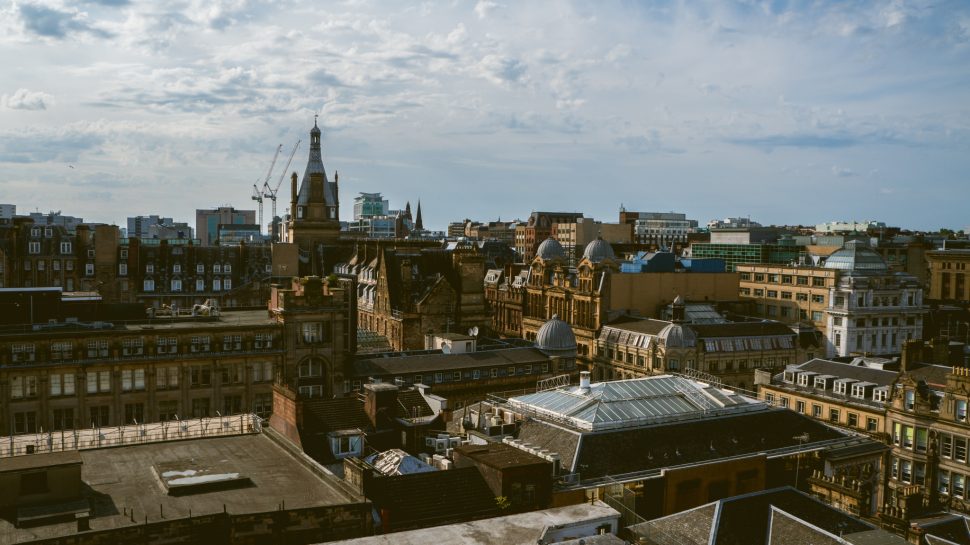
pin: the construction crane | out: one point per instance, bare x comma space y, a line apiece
257, 194
270, 193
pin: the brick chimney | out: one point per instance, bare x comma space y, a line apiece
380, 402
912, 354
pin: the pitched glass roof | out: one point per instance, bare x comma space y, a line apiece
627, 402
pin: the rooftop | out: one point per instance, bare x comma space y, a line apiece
622, 403
521, 529
403, 364
781, 516
121, 483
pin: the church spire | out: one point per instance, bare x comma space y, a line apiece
418, 224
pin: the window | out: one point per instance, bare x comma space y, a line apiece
944, 482
21, 387
456, 376
65, 247
921, 439
132, 379
177, 268
227, 284
97, 349
906, 471
960, 449
853, 420
98, 382
89, 269
199, 344
100, 415
817, 411
961, 410
25, 422
200, 407
200, 375
134, 413
200, 285
231, 342
176, 284
263, 371
800, 407
148, 285
200, 268
871, 424
216, 284
33, 247
493, 372
907, 437
217, 268
263, 405
834, 415
439, 377
150, 268
958, 481
227, 268
818, 282
62, 419
263, 340
61, 384
166, 345
909, 399
167, 377
313, 332
132, 347
124, 254
21, 353
311, 368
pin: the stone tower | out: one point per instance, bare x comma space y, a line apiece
314, 210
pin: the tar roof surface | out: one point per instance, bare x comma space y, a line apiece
499, 455
124, 478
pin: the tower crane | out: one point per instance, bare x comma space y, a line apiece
270, 193
257, 194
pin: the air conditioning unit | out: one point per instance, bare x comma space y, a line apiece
429, 442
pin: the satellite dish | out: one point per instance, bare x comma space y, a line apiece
473, 331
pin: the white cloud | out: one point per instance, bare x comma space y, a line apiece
25, 99
484, 7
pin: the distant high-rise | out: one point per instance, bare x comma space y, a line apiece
207, 221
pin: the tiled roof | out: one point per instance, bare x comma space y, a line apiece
785, 515
411, 404
342, 413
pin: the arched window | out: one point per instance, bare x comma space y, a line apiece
311, 368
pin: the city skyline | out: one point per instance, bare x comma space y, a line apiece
114, 108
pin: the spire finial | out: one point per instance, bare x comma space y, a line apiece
315, 119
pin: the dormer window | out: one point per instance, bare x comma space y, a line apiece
909, 400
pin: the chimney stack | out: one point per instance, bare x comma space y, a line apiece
584, 382
912, 353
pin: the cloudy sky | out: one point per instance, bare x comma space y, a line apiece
795, 112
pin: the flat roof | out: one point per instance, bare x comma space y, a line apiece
119, 480
521, 529
39, 461
500, 455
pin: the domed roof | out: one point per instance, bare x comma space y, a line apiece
856, 256
555, 335
677, 336
598, 250
551, 249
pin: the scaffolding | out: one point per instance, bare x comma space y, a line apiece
135, 434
